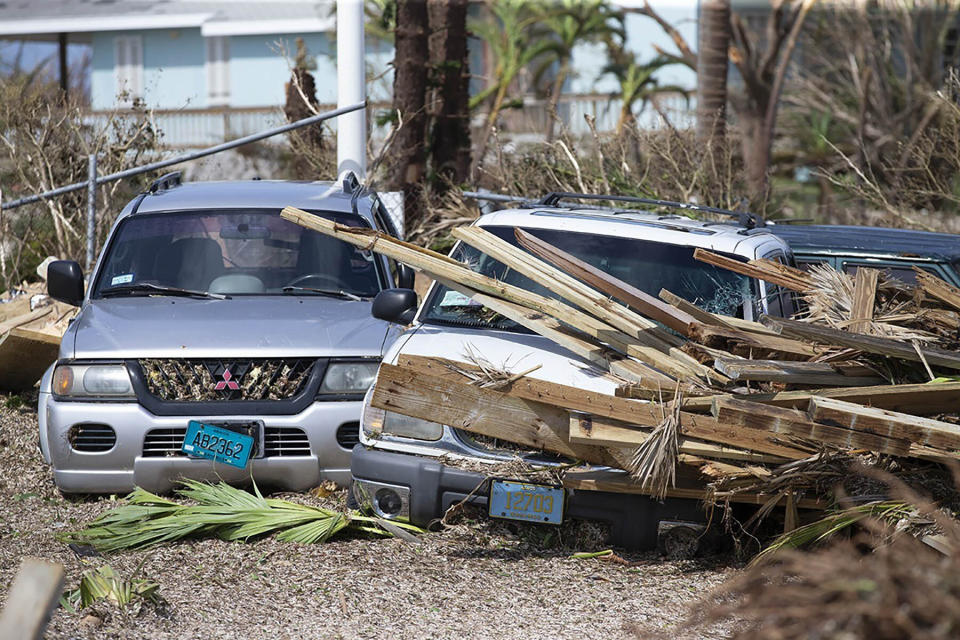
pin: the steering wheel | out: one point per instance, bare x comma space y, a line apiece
326, 277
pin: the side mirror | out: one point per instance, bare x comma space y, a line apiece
405, 276
65, 282
398, 306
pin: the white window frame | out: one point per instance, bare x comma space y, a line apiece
218, 70
128, 68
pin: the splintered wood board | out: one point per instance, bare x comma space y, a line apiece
24, 356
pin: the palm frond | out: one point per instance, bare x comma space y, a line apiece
222, 511
830, 525
103, 583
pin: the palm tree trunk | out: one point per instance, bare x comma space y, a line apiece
450, 134
409, 94
712, 61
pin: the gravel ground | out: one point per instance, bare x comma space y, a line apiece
473, 580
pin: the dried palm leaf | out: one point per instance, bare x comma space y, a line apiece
654, 463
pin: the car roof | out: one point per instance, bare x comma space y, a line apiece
874, 240
642, 225
255, 194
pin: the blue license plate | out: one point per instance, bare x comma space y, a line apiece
217, 443
512, 500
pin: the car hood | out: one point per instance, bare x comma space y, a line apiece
164, 327
515, 352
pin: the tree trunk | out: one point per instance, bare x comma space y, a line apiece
450, 133
558, 83
408, 153
712, 62
756, 156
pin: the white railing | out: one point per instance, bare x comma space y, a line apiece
198, 128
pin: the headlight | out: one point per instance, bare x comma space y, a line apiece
92, 381
349, 377
397, 424
375, 422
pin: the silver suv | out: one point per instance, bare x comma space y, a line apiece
207, 308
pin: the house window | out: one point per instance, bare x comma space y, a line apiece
128, 68
218, 70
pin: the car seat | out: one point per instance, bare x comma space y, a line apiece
190, 263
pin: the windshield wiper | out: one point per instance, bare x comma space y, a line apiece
334, 293
155, 289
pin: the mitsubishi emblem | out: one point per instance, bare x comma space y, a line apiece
227, 383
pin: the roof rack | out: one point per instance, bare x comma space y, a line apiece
746, 219
165, 182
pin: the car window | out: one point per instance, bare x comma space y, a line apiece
897, 270
649, 266
780, 301
236, 252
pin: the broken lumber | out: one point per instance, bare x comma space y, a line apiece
736, 339
654, 346
891, 424
32, 599
576, 342
481, 411
871, 344
691, 489
792, 372
713, 440
793, 423
938, 289
641, 301
864, 299
762, 269
917, 399
24, 356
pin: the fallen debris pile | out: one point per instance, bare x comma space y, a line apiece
707, 406
31, 325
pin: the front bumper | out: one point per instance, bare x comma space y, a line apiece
124, 466
427, 488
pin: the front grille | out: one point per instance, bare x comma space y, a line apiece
210, 380
277, 442
348, 435
164, 442
285, 441
92, 438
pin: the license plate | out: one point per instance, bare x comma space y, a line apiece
219, 444
512, 500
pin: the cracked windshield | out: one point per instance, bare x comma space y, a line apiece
648, 266
235, 253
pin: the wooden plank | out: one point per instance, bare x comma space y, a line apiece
793, 423
871, 344
552, 393
622, 483
655, 346
24, 318
639, 300
890, 424
24, 357
916, 399
791, 372
938, 289
599, 431
864, 299
629, 413
762, 269
722, 338
490, 413
31, 600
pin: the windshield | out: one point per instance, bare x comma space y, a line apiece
648, 266
234, 252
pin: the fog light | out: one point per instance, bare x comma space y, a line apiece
388, 502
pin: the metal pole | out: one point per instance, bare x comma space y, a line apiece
351, 87
190, 156
91, 209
